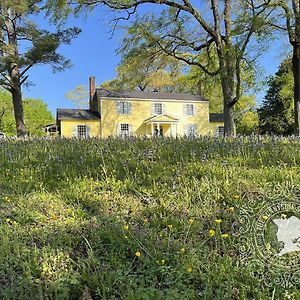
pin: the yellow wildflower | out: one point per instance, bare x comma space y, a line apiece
225, 235
182, 250
170, 226
191, 221
137, 253
125, 227
125, 237
162, 261
237, 197
231, 209
190, 269
218, 221
211, 232
145, 221
265, 218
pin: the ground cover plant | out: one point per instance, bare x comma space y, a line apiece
138, 219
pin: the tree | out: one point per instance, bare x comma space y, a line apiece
36, 115
184, 31
17, 27
291, 18
276, 112
79, 95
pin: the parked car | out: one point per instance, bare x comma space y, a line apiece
2, 136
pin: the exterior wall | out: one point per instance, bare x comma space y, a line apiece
67, 127
142, 109
214, 127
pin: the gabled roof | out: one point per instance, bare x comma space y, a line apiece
161, 118
216, 117
76, 114
142, 95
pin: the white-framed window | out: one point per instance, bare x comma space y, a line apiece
191, 130
220, 131
190, 109
124, 130
158, 108
81, 131
124, 108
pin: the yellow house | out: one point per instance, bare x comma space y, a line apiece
137, 113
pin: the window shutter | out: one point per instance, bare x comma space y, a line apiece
118, 107
118, 129
184, 110
152, 109
163, 107
88, 131
195, 109
74, 131
130, 130
129, 106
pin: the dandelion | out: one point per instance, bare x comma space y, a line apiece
225, 235
212, 233
125, 227
182, 251
265, 218
189, 269
191, 221
170, 226
8, 220
231, 209
237, 197
145, 221
137, 253
218, 221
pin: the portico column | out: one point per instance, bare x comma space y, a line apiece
152, 129
171, 129
158, 129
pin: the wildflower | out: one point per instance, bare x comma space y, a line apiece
190, 269
237, 197
182, 250
125, 227
212, 233
8, 220
145, 221
191, 221
125, 237
170, 226
225, 235
137, 253
231, 209
162, 261
218, 221
265, 218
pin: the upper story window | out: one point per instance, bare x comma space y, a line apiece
124, 108
190, 109
124, 130
158, 108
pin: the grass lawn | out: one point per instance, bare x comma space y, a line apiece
141, 219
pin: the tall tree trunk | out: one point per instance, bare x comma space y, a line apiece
296, 73
14, 73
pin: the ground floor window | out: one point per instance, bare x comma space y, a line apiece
82, 131
191, 130
220, 131
124, 130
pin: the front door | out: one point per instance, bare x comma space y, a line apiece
159, 131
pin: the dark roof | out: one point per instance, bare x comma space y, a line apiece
80, 114
216, 118
149, 95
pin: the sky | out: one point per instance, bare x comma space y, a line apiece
93, 53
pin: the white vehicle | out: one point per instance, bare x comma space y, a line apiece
2, 136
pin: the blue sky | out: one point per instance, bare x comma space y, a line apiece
94, 53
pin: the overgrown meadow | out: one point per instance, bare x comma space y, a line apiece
137, 219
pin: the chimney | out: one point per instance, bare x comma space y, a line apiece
92, 80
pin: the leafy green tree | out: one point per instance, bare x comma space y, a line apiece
187, 30
36, 115
17, 28
276, 113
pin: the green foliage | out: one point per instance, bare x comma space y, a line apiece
130, 219
36, 113
276, 113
